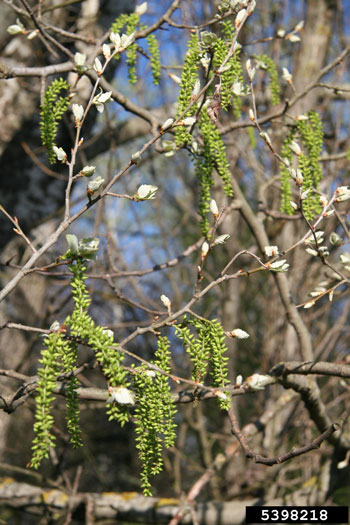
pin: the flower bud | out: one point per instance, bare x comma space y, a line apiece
250, 69
121, 395
60, 154
126, 40
78, 112
98, 66
293, 38
146, 192
286, 75
17, 28
167, 124
94, 186
237, 332
214, 208
141, 9
204, 249
294, 146
239, 18
335, 239
342, 193
136, 157
271, 251
166, 301
106, 50
251, 115
221, 239
88, 171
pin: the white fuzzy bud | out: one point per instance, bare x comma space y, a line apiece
167, 124
293, 38
33, 34
141, 9
175, 78
266, 137
146, 192
115, 39
239, 18
166, 301
238, 333
78, 112
204, 249
98, 66
196, 89
250, 69
106, 50
342, 193
309, 304
299, 179
136, 157
259, 381
221, 395
279, 266
271, 251
55, 327
214, 208
88, 171
126, 40
121, 395
221, 239
60, 154
189, 121
94, 186
17, 28
100, 99
287, 76
239, 380
294, 146
79, 59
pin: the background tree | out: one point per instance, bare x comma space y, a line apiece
212, 229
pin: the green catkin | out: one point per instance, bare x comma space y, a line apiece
188, 79
130, 23
119, 23
107, 354
207, 348
311, 133
52, 110
204, 168
154, 409
196, 347
218, 361
131, 51
227, 77
69, 358
235, 62
274, 85
214, 148
47, 377
60, 357
154, 414
213, 155
286, 186
153, 49
311, 138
